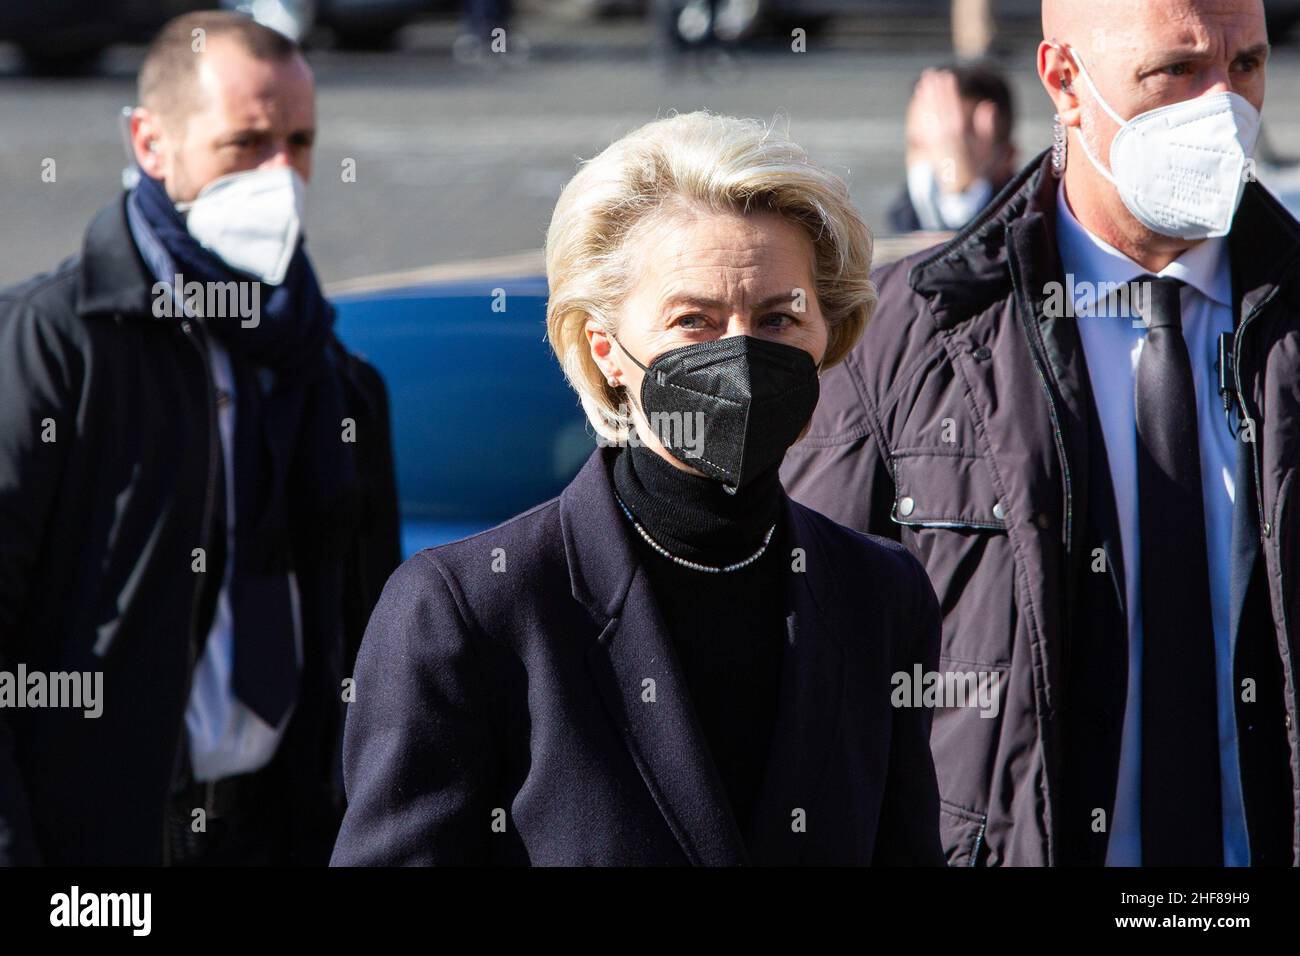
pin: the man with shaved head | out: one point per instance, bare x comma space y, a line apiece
1081, 413
196, 490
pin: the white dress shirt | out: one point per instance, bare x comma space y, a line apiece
226, 738
1112, 345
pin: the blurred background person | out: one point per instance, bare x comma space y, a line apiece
960, 148
695, 29
973, 28
181, 508
482, 18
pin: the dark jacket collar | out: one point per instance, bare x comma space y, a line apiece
973, 270
113, 277
666, 740
1263, 246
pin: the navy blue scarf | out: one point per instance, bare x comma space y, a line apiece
295, 476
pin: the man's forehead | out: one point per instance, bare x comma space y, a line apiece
232, 81
1133, 23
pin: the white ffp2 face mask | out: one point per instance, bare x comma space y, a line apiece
250, 220
1181, 169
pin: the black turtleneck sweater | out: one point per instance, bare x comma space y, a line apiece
728, 629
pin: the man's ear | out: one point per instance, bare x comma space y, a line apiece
146, 133
1060, 79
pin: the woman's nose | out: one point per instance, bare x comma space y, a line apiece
739, 324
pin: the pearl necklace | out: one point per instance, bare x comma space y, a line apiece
691, 564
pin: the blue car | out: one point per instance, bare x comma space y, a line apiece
484, 424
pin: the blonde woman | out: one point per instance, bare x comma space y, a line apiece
671, 662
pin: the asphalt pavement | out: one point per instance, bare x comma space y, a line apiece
461, 161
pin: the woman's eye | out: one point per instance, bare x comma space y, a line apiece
778, 320
691, 322
1177, 69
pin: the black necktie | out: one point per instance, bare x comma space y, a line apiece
1181, 815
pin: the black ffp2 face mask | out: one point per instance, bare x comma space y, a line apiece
730, 407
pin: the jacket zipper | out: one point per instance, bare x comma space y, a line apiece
196, 336
1037, 351
1254, 451
1059, 439
1241, 397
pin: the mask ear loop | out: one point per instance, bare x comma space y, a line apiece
1083, 140
659, 376
635, 401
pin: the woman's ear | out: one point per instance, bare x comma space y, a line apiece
601, 345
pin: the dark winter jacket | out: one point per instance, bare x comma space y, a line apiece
108, 456
962, 425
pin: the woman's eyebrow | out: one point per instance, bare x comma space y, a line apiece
704, 301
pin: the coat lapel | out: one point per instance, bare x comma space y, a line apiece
646, 694
637, 674
658, 721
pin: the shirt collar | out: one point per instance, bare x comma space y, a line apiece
1204, 267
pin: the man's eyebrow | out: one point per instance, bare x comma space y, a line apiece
246, 131
1178, 55
1184, 54
265, 132
1259, 51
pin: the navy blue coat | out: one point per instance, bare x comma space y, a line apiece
501, 716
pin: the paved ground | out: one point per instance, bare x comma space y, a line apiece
456, 162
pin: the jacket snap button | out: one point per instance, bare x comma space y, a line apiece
983, 353
906, 506
999, 512
1268, 529
1044, 522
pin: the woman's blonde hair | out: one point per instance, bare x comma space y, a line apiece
717, 163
